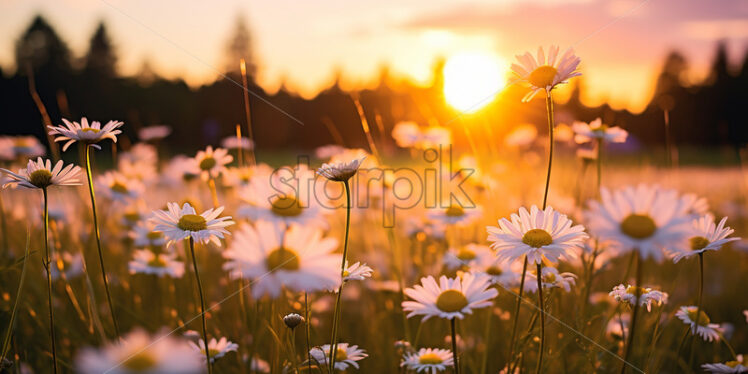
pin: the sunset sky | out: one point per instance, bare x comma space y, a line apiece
304, 42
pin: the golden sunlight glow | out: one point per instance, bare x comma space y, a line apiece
472, 80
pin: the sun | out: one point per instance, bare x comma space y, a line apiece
472, 80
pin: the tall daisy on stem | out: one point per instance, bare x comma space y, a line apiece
538, 236
211, 164
89, 135
179, 224
600, 133
341, 172
450, 298
643, 220
707, 236
542, 75
41, 175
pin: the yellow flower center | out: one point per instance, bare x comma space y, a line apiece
542, 76
154, 235
192, 222
90, 129
537, 238
733, 364
494, 270
451, 301
465, 254
346, 273
703, 319
455, 211
140, 362
132, 217
430, 359
636, 291
286, 206
549, 278
212, 352
341, 355
157, 262
119, 188
41, 178
282, 259
638, 226
699, 242
208, 163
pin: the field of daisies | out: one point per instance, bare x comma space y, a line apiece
545, 255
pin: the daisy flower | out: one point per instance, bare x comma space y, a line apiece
586, 132
739, 365
646, 218
552, 278
119, 188
241, 176
340, 171
706, 237
433, 137
540, 235
155, 132
326, 152
180, 170
144, 235
161, 264
505, 274
647, 296
454, 214
27, 146
288, 195
450, 298
466, 256
428, 360
345, 356
302, 261
212, 162
708, 331
216, 348
522, 135
85, 133
357, 271
178, 224
41, 174
545, 74
138, 352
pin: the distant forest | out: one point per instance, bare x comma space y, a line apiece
711, 113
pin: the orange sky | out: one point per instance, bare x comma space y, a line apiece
304, 42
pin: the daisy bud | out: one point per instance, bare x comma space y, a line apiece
292, 320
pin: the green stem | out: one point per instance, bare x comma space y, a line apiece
486, 341
202, 305
549, 109
632, 328
698, 305
47, 260
3, 225
454, 346
292, 338
516, 312
11, 323
542, 317
98, 239
338, 311
308, 329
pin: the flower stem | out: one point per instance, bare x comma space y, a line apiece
213, 192
3, 225
542, 317
338, 311
549, 109
46, 262
454, 346
98, 239
698, 304
516, 312
11, 323
308, 329
202, 305
632, 328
